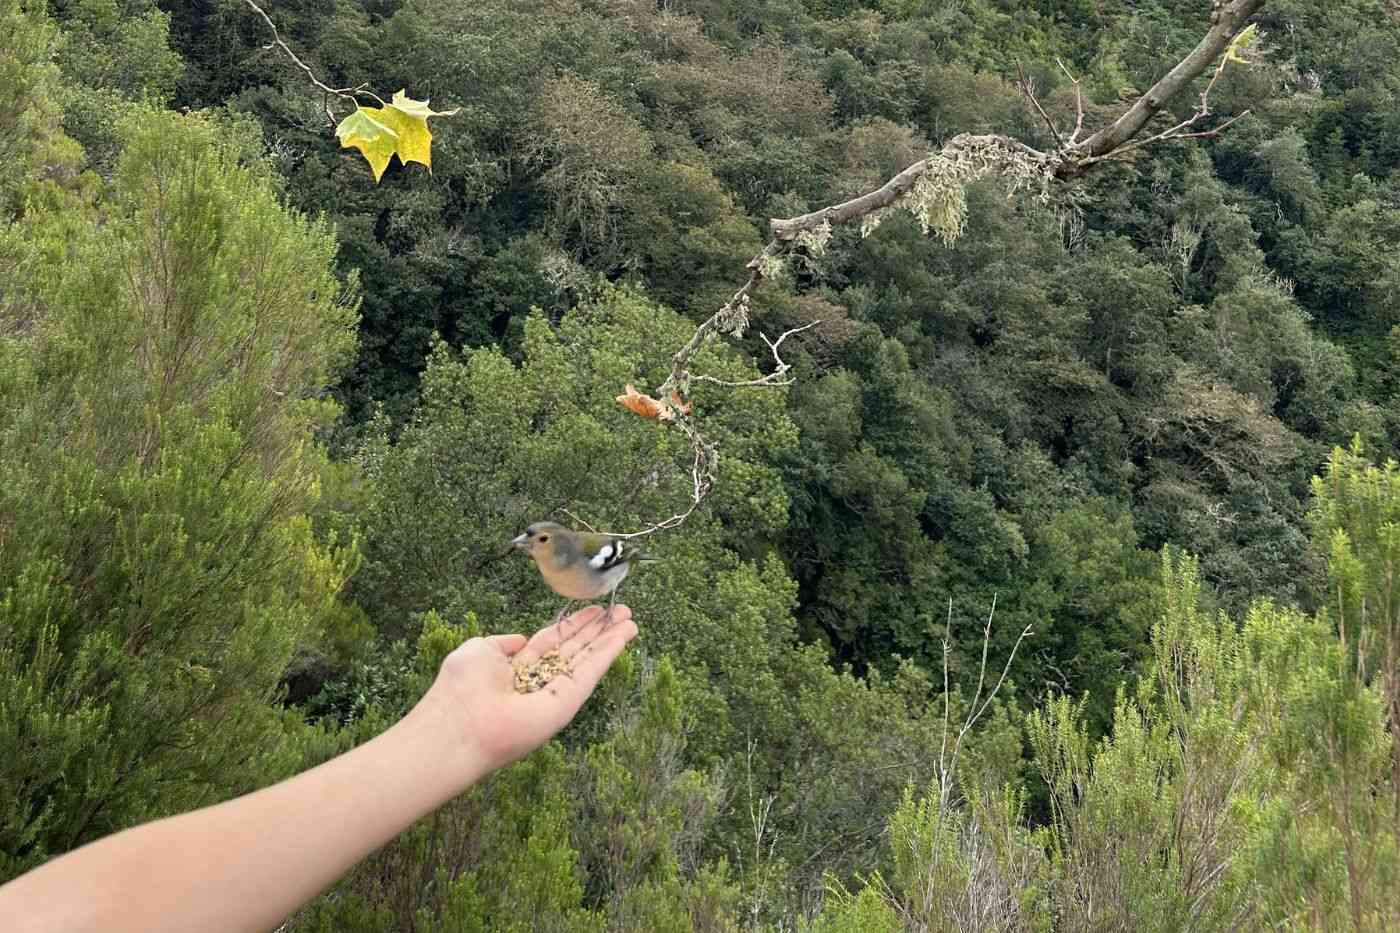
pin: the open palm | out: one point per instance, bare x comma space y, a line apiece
477, 681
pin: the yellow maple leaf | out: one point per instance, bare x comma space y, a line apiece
398, 128
376, 141
1240, 43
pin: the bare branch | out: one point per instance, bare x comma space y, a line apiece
1070, 160
733, 318
948, 759
944, 771
350, 94
1027, 87
775, 378
786, 231
576, 519
702, 478
1227, 19
1177, 133
947, 763
1078, 103
1216, 131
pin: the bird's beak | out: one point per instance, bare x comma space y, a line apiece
521, 541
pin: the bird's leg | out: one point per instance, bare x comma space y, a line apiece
559, 622
612, 600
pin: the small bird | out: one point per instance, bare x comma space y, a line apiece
578, 565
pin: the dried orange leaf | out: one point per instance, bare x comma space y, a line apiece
642, 404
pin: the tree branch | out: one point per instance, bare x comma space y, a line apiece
1078, 103
962, 158
780, 368
350, 94
1227, 19
785, 231
1070, 160
1027, 87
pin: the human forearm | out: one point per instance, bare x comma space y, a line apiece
254, 859
248, 863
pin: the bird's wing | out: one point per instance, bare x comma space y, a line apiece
603, 553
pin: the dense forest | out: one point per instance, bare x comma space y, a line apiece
1060, 589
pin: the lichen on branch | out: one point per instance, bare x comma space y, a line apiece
934, 190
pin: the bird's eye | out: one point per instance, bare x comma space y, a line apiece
544, 538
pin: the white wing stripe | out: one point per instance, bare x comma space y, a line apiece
604, 555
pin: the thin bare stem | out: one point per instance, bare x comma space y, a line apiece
948, 761
986, 644
1028, 88
1025, 633
947, 766
944, 772
780, 367
1179, 131
1078, 103
576, 519
349, 94
1175, 133
702, 477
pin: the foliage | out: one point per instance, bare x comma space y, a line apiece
33, 151
212, 576
1233, 791
159, 567
114, 56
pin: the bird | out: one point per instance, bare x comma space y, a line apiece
578, 565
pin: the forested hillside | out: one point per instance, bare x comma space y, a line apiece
267, 425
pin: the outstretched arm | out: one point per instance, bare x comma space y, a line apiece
249, 862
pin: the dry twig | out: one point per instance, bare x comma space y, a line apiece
351, 94
1027, 87
780, 368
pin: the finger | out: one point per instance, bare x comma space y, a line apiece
588, 633
568, 632
551, 637
593, 660
508, 644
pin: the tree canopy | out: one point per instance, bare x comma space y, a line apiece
1055, 591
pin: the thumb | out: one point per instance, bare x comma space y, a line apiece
508, 644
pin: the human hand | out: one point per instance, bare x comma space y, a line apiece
486, 721
290, 841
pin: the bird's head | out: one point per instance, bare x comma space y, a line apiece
539, 540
